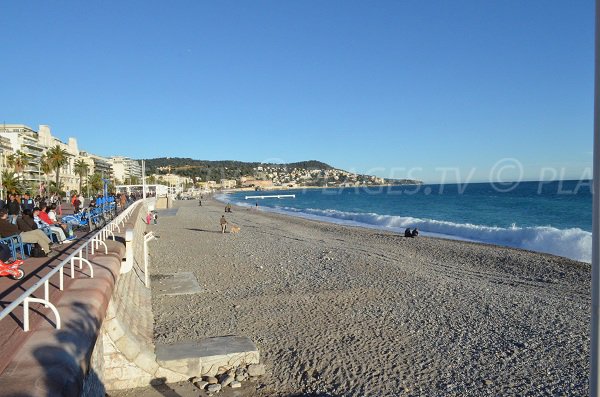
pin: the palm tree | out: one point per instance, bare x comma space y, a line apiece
57, 157
18, 161
9, 183
95, 182
81, 169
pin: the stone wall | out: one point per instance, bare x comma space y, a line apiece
124, 356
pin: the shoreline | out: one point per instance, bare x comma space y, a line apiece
400, 231
349, 311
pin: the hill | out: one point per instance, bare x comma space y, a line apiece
221, 169
307, 173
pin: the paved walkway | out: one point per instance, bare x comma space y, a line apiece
12, 335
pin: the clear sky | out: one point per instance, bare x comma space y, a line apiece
425, 89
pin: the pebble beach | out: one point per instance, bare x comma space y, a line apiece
344, 311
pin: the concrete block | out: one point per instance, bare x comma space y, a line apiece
115, 329
128, 346
146, 360
170, 376
207, 355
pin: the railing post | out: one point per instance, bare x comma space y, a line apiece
128, 265
147, 238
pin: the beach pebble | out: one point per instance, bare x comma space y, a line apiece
235, 385
256, 370
241, 378
211, 380
227, 379
214, 388
201, 384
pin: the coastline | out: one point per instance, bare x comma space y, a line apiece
351, 311
572, 243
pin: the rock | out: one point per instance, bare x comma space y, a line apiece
222, 370
240, 378
214, 388
488, 382
201, 384
256, 370
211, 380
235, 385
227, 380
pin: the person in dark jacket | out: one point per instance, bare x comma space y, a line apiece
407, 232
26, 223
14, 208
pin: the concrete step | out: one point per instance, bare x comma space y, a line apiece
204, 357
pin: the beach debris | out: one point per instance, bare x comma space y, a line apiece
232, 377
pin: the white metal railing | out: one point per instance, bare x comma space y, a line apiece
149, 236
88, 247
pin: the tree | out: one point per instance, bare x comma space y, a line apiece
81, 169
95, 182
18, 161
10, 184
57, 157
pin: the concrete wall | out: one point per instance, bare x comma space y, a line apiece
124, 356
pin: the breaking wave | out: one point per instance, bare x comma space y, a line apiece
572, 243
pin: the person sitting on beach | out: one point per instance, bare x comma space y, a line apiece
407, 232
223, 223
415, 232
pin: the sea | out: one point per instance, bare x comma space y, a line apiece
552, 217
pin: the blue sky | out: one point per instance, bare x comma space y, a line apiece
436, 90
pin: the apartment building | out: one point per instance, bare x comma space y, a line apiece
125, 168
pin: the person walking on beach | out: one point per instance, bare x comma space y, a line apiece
223, 223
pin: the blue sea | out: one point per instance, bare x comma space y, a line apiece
552, 217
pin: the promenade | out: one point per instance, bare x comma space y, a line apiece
46, 361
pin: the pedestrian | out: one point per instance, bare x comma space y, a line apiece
14, 208
148, 218
223, 223
200, 203
155, 218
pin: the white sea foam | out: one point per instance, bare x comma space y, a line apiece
572, 243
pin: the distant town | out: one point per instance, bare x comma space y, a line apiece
209, 175
39, 163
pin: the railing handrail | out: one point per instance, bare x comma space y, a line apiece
7, 310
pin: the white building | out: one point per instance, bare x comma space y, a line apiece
125, 168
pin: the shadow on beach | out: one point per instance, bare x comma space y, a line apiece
204, 230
